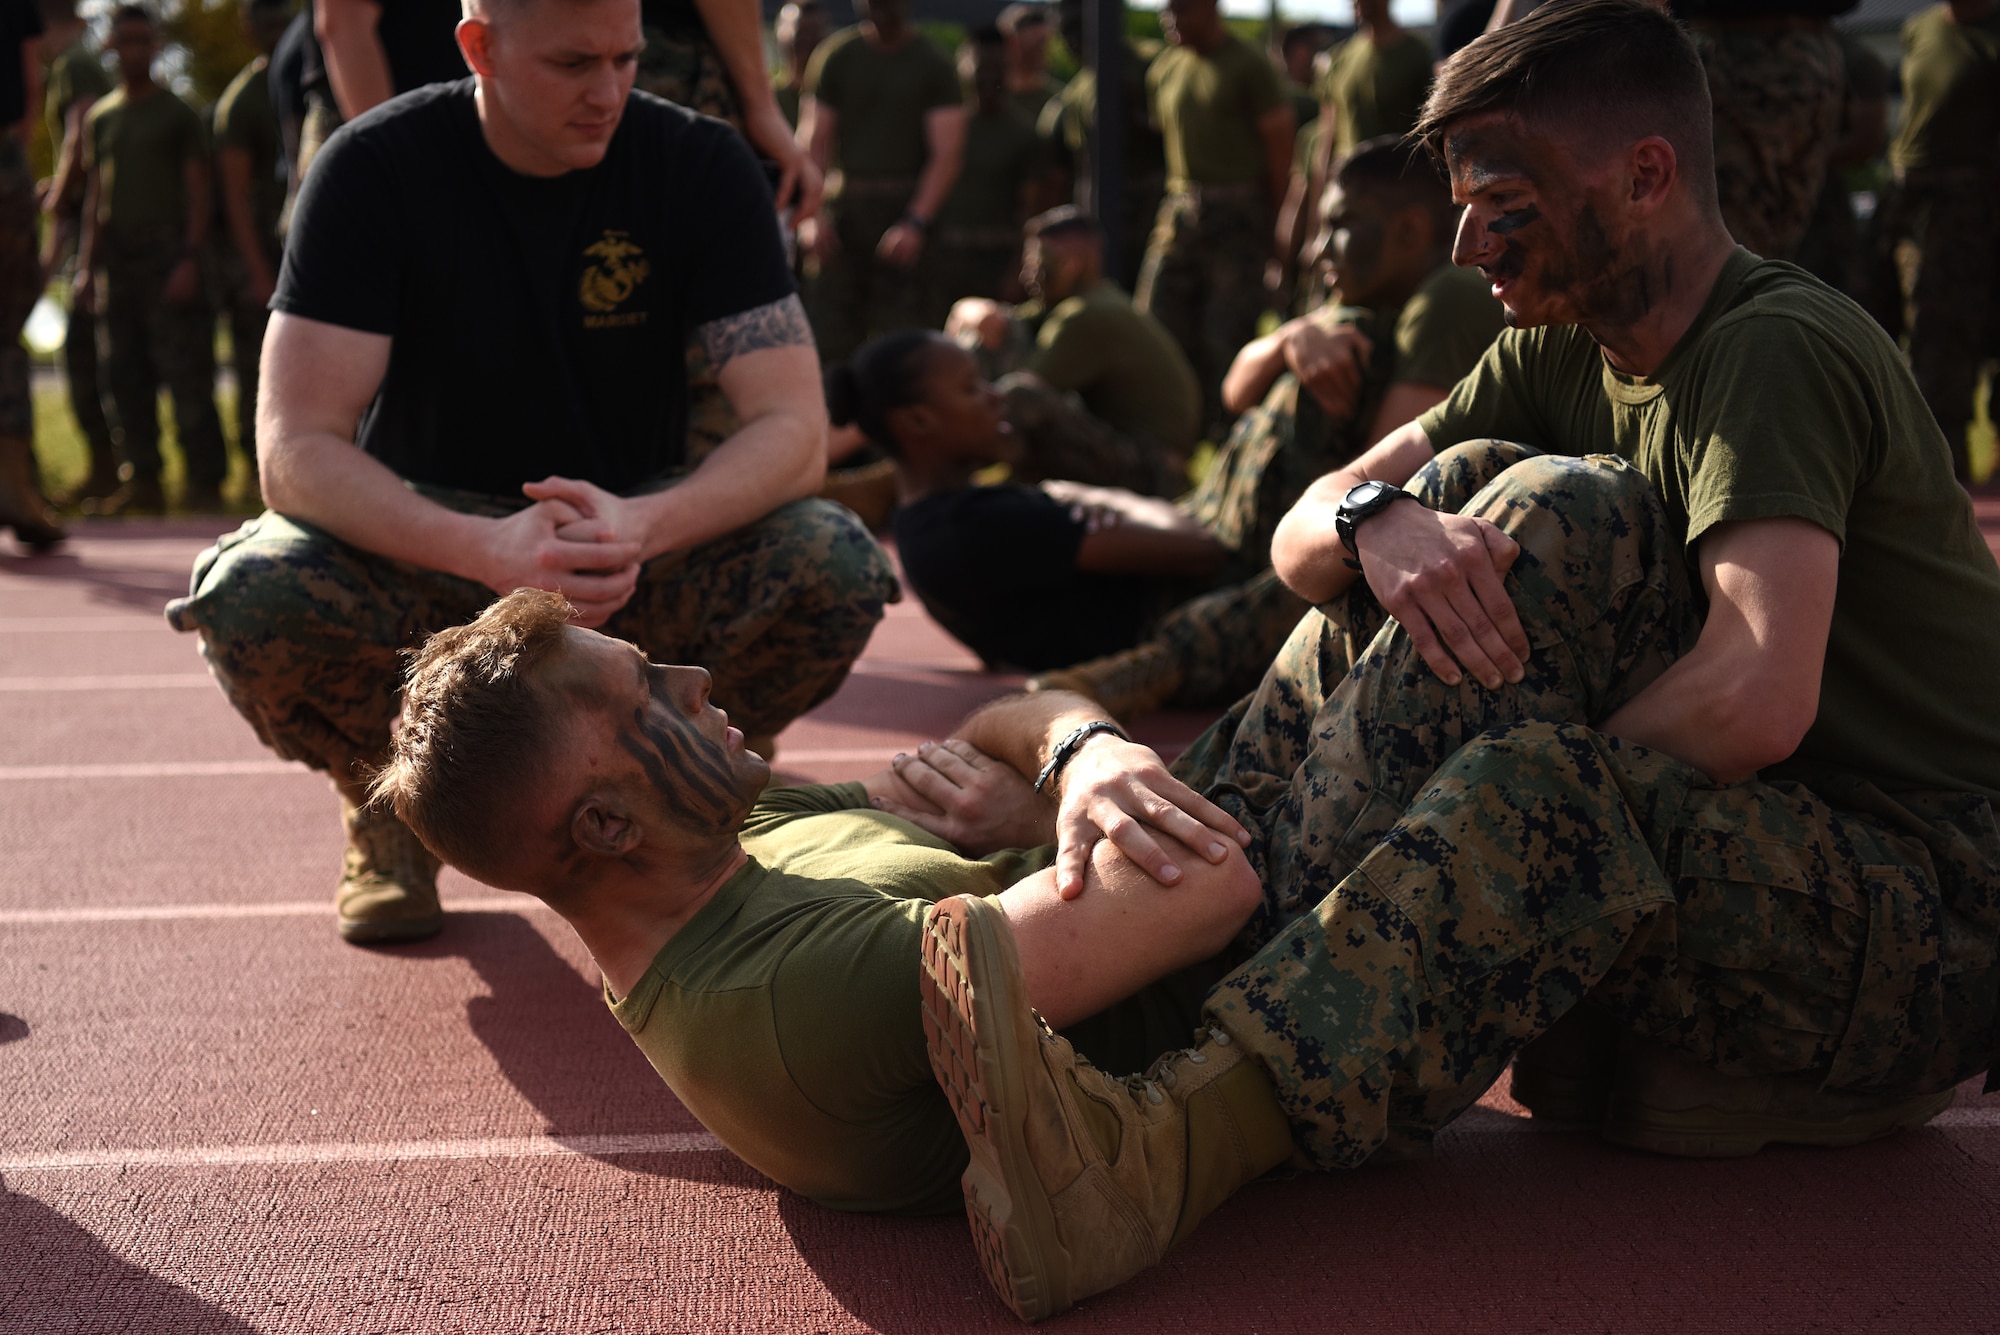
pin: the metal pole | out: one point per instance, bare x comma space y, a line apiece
1104, 45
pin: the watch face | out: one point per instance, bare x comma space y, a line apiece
1364, 495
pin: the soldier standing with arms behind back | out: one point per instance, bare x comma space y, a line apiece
1947, 161
884, 110
1228, 132
146, 213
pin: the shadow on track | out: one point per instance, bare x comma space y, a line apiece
59, 1276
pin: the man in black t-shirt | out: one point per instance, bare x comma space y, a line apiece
488, 288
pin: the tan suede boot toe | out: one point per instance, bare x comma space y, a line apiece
388, 881
1077, 1181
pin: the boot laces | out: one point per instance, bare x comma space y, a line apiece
1162, 1074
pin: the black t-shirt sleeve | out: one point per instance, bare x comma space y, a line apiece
344, 257
737, 261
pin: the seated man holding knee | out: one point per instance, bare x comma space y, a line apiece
762, 946
474, 381
1517, 767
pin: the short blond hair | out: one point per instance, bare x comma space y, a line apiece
475, 723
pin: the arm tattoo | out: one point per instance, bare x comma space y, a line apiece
779, 324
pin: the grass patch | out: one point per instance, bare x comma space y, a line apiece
64, 456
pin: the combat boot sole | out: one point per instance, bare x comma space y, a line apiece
380, 931
1013, 1223
1719, 1133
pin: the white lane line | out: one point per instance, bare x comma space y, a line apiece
157, 681
389, 1151
171, 769
214, 769
284, 908
32, 625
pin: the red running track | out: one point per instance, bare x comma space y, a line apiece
214, 1116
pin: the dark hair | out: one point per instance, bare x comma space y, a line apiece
474, 725
985, 35
884, 374
133, 13
1605, 69
1301, 34
1400, 170
1064, 223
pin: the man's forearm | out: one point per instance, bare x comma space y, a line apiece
1254, 371
1023, 731
1306, 549
738, 38
332, 484
945, 132
237, 213
357, 67
772, 461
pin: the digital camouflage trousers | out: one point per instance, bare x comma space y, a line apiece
1061, 438
1943, 228
1777, 97
1449, 870
1203, 278
146, 342
306, 634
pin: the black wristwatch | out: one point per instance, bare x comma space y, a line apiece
1362, 502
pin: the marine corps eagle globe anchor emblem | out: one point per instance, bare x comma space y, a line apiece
621, 266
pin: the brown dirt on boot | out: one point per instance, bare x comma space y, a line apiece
1078, 1181
388, 881
1668, 1103
1564, 1075
1129, 684
21, 506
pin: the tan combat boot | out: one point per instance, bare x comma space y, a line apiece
1129, 684
388, 880
1078, 1181
1669, 1103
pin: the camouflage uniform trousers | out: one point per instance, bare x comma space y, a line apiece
684, 68
1060, 438
1224, 640
20, 286
305, 633
1449, 870
1203, 278
1778, 91
1278, 449
145, 341
1945, 235
852, 295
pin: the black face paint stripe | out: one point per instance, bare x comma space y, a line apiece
681, 766
1513, 221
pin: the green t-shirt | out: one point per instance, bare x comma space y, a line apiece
1125, 366
784, 1015
1445, 327
880, 98
1002, 155
77, 74
1070, 115
246, 120
1951, 92
1374, 90
1028, 103
1207, 108
1785, 399
140, 150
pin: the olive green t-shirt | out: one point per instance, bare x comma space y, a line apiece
880, 98
1002, 155
1125, 366
1072, 113
141, 150
76, 74
1445, 327
1951, 92
246, 120
1028, 103
1785, 400
785, 1014
1374, 90
1207, 108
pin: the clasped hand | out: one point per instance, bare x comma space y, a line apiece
1441, 576
577, 540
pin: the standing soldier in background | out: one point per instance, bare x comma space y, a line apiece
1832, 249
252, 196
1372, 84
1947, 162
800, 28
21, 506
76, 80
1029, 85
1228, 132
146, 211
1778, 80
1067, 126
1297, 50
884, 111
978, 227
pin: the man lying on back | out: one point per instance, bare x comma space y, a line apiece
762, 945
